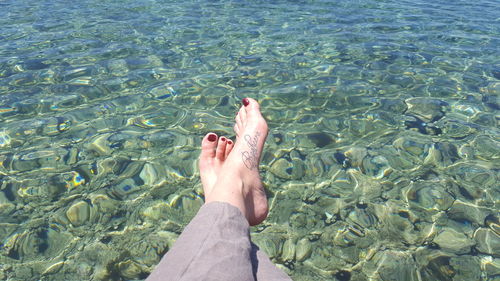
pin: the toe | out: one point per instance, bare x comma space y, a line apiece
251, 107
208, 146
241, 117
221, 148
229, 147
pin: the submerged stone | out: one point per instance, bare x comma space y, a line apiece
376, 166
429, 110
442, 154
392, 265
429, 196
464, 211
288, 251
490, 265
303, 249
130, 269
452, 241
78, 213
286, 169
466, 268
488, 242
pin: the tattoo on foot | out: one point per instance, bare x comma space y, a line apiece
251, 158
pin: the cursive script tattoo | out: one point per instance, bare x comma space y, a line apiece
251, 158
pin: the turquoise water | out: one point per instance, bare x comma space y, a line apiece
382, 161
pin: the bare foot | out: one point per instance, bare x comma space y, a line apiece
214, 151
237, 176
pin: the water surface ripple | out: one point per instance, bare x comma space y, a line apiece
382, 161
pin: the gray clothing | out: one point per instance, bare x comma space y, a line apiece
216, 245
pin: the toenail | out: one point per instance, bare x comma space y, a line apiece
245, 101
212, 137
229, 142
223, 139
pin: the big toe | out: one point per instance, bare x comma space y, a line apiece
251, 106
253, 116
208, 146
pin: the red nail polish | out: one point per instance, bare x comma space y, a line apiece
212, 137
245, 101
223, 139
229, 142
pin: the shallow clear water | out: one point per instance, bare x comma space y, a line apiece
382, 161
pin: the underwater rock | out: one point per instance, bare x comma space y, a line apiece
125, 188
428, 196
398, 159
396, 224
149, 174
488, 242
416, 124
163, 91
356, 155
34, 159
486, 148
473, 177
362, 127
490, 265
303, 249
391, 265
271, 241
156, 211
493, 223
290, 166
349, 235
53, 268
130, 269
467, 109
104, 204
452, 241
288, 251
413, 147
429, 110
363, 216
321, 139
442, 154
271, 247
78, 213
434, 265
466, 268
118, 67
376, 166
251, 60
464, 211
100, 145
150, 61
101, 273
455, 128
79, 72
34, 64
41, 242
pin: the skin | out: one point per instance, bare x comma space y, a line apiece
230, 171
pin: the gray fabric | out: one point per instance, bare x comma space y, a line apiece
216, 245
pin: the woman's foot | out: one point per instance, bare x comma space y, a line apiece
235, 177
214, 151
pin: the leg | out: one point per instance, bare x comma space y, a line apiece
216, 244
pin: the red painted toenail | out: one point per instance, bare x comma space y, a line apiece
212, 137
223, 139
245, 101
230, 142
